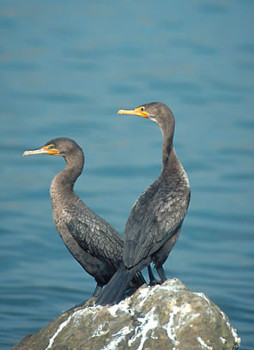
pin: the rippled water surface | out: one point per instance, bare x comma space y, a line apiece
66, 68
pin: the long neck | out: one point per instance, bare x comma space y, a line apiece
168, 153
62, 185
171, 166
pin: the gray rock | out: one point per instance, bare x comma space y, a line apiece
167, 316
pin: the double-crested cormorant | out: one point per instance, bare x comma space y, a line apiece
156, 218
94, 243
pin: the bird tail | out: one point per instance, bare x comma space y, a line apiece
137, 280
114, 290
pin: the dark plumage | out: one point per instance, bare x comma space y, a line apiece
94, 243
156, 218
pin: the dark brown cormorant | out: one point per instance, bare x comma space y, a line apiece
94, 243
156, 218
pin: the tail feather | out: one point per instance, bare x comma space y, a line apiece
114, 290
137, 280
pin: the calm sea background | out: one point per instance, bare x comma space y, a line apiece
65, 69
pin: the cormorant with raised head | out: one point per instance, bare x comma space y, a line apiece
93, 242
156, 218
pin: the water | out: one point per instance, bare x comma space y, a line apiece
65, 71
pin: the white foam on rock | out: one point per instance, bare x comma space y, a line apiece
123, 306
74, 316
118, 337
60, 328
201, 341
146, 324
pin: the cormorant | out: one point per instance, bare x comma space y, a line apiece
93, 242
156, 218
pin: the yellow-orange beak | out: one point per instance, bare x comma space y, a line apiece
137, 111
49, 149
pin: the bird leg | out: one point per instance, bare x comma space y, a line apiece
152, 279
161, 274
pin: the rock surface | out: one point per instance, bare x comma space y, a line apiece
167, 316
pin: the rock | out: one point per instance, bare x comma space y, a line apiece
167, 316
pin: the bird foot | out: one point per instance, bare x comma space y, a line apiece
154, 282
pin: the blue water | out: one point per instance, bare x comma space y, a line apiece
65, 69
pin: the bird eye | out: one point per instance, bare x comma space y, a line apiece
142, 109
51, 146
